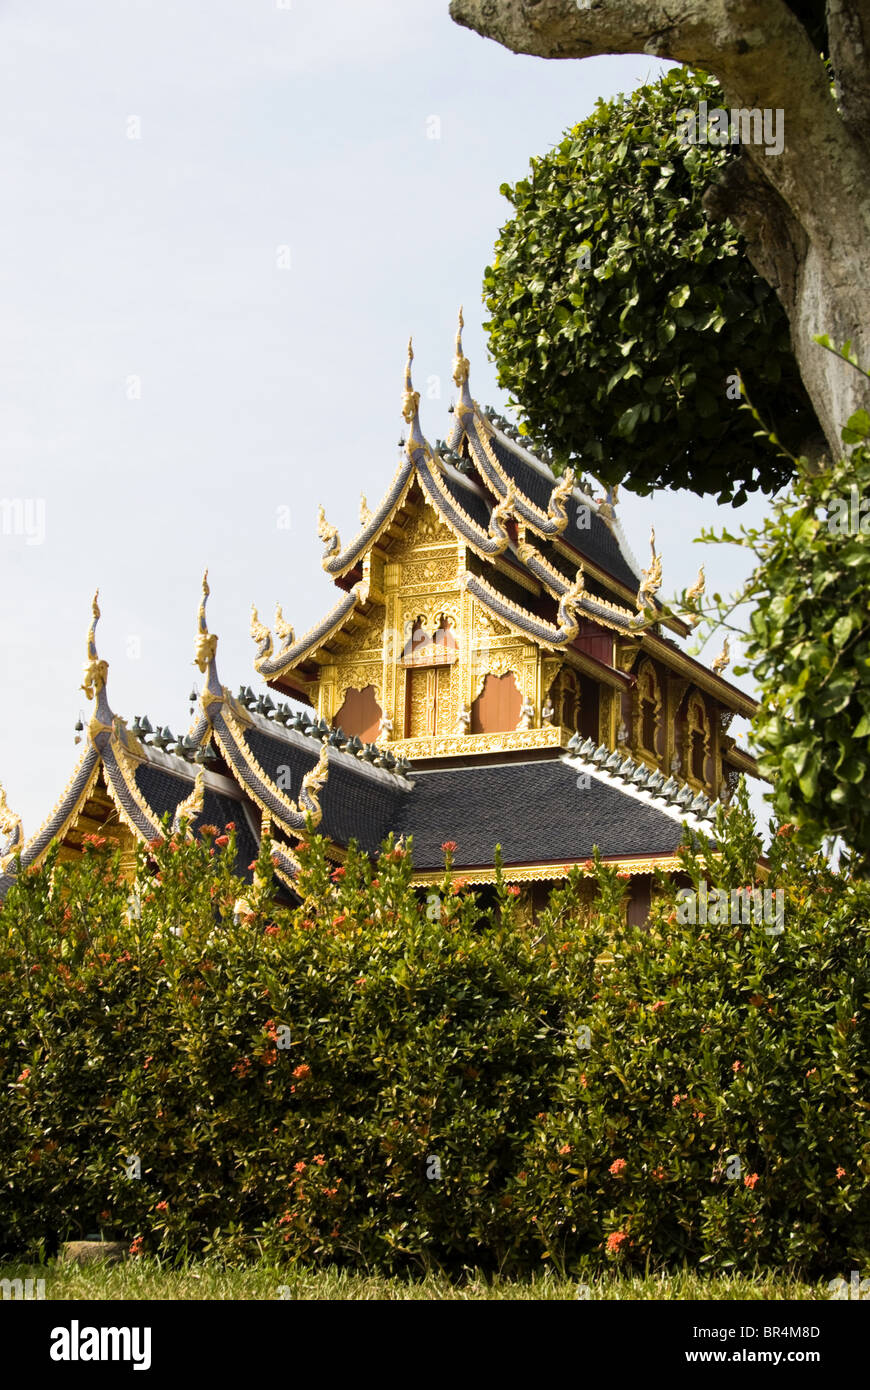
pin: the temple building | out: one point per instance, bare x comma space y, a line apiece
496, 670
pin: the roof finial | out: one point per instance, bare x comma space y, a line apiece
261, 634
283, 628
410, 397
652, 578
329, 535
206, 642
694, 596
95, 670
460, 363
722, 661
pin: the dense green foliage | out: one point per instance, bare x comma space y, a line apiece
620, 314
808, 646
287, 1077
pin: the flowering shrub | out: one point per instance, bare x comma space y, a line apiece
363, 1080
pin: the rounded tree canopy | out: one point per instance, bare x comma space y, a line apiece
622, 317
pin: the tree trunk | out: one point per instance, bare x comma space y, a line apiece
805, 212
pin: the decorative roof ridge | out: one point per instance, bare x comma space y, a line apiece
698, 671
270, 664
337, 562
558, 584
190, 809
485, 544
119, 769
674, 797
271, 799
285, 863
524, 622
55, 825
309, 742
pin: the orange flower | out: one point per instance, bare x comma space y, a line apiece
615, 1242
136, 1247
737, 1066
617, 1166
514, 890
841, 1172
319, 1160
162, 1206
750, 1180
299, 1167
301, 1072
565, 1149
22, 1076
222, 840
338, 874
450, 847
96, 840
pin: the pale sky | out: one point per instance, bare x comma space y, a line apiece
168, 383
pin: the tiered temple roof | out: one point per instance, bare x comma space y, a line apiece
495, 670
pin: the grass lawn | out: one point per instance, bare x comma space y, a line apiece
146, 1279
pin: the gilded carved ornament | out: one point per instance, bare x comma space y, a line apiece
499, 518
460, 362
328, 535
283, 629
651, 580
206, 642
694, 596
95, 671
191, 806
721, 662
556, 507
261, 634
410, 397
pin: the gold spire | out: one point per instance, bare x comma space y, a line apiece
723, 660
192, 805
410, 397
95, 671
283, 628
460, 362
206, 642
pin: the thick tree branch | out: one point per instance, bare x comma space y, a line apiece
849, 36
810, 236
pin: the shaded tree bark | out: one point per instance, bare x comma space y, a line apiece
805, 212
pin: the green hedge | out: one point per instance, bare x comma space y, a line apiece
292, 1081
